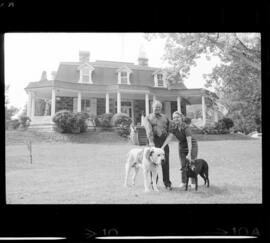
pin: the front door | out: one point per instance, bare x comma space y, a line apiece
86, 105
126, 108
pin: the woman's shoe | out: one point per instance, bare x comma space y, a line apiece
182, 185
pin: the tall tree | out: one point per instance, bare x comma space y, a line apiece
237, 80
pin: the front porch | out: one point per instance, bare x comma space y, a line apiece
44, 102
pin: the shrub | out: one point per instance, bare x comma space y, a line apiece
13, 124
228, 122
24, 121
62, 119
218, 128
122, 122
210, 129
105, 120
221, 127
69, 122
81, 118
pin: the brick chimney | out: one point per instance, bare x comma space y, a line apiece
84, 56
53, 75
43, 76
142, 60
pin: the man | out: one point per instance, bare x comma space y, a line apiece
157, 127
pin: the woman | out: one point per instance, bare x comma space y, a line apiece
188, 146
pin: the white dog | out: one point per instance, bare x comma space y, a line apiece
148, 159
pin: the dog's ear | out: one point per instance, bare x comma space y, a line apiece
148, 153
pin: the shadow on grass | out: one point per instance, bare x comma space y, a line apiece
21, 137
212, 190
213, 137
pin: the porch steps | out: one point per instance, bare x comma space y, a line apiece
142, 138
43, 128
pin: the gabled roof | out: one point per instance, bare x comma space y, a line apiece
124, 68
83, 65
158, 71
105, 72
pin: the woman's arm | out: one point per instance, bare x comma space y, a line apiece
189, 147
167, 141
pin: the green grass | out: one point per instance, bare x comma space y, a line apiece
93, 173
15, 137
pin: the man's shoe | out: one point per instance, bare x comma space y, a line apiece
192, 186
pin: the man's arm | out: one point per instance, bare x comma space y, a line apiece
149, 131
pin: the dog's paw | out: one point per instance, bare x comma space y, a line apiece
146, 190
156, 190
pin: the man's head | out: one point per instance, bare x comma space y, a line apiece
157, 106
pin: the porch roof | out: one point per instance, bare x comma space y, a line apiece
191, 95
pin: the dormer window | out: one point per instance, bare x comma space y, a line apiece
159, 78
160, 82
124, 78
85, 73
124, 75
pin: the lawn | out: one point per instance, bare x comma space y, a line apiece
89, 173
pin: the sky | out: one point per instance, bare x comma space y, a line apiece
26, 55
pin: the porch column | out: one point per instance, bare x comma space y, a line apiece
29, 103
32, 105
53, 103
154, 98
203, 110
146, 104
79, 102
179, 104
118, 102
107, 103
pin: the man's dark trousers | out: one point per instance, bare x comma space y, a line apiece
158, 141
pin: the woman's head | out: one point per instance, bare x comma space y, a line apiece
178, 116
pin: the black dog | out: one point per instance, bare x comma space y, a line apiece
195, 168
